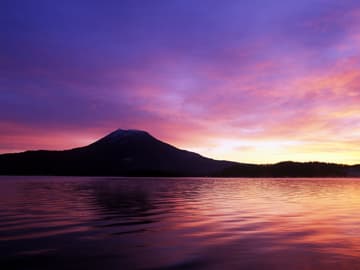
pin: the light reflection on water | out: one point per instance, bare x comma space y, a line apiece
120, 223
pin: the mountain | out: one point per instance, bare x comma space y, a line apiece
122, 152
137, 153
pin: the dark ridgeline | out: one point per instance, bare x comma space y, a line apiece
137, 153
289, 169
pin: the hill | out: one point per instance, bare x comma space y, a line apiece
137, 153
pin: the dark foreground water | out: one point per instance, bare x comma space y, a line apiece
119, 223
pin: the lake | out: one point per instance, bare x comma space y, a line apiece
183, 223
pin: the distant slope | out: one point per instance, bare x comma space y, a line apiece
137, 153
354, 171
289, 169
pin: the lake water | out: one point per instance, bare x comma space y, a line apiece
189, 223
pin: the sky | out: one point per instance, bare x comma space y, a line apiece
255, 81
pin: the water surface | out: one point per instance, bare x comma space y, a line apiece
189, 223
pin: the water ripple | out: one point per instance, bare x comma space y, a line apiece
138, 223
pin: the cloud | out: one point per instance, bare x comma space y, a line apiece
237, 77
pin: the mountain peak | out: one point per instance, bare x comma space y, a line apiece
124, 135
127, 132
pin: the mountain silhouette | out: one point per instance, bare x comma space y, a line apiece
137, 153
122, 152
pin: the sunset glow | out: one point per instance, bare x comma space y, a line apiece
249, 81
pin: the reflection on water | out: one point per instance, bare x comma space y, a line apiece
119, 223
